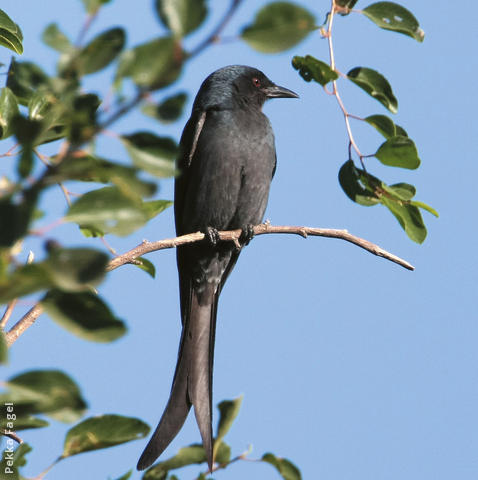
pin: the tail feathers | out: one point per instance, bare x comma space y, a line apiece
192, 385
172, 419
200, 375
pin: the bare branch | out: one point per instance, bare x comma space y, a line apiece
12, 435
262, 229
232, 236
26, 321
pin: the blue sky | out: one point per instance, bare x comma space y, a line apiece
350, 366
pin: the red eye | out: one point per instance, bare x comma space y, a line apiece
256, 82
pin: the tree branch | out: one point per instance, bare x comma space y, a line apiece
231, 236
262, 229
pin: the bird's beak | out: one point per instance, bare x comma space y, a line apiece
274, 91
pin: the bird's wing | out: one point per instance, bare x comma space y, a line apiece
188, 144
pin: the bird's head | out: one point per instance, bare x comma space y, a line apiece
238, 85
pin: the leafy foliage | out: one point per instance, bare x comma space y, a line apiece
56, 108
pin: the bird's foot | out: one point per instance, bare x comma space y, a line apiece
247, 234
212, 236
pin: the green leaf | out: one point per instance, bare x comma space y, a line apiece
426, 207
24, 78
152, 65
409, 217
147, 266
347, 4
181, 16
108, 210
401, 131
92, 6
9, 466
10, 34
126, 476
151, 153
404, 191
19, 422
103, 431
83, 314
168, 110
101, 51
56, 39
286, 468
391, 16
90, 168
155, 207
24, 281
15, 217
376, 85
228, 410
351, 183
312, 69
8, 111
82, 120
382, 124
278, 26
50, 392
3, 348
76, 269
398, 151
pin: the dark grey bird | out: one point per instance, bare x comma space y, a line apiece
226, 163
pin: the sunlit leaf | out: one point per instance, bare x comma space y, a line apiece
155, 207
8, 111
103, 431
56, 39
10, 34
382, 124
168, 110
409, 217
75, 269
278, 26
312, 69
398, 151
228, 410
50, 392
404, 191
89, 168
24, 78
350, 181
12, 420
108, 210
9, 466
92, 6
347, 4
376, 85
391, 16
101, 51
151, 153
147, 266
424, 206
181, 16
154, 64
83, 314
286, 468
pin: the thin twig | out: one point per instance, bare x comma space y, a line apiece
25, 322
12, 435
213, 37
8, 313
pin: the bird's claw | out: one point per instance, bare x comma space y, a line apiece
247, 234
212, 236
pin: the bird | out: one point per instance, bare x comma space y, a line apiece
226, 162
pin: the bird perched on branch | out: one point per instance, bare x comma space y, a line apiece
227, 161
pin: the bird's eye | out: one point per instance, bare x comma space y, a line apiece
256, 82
